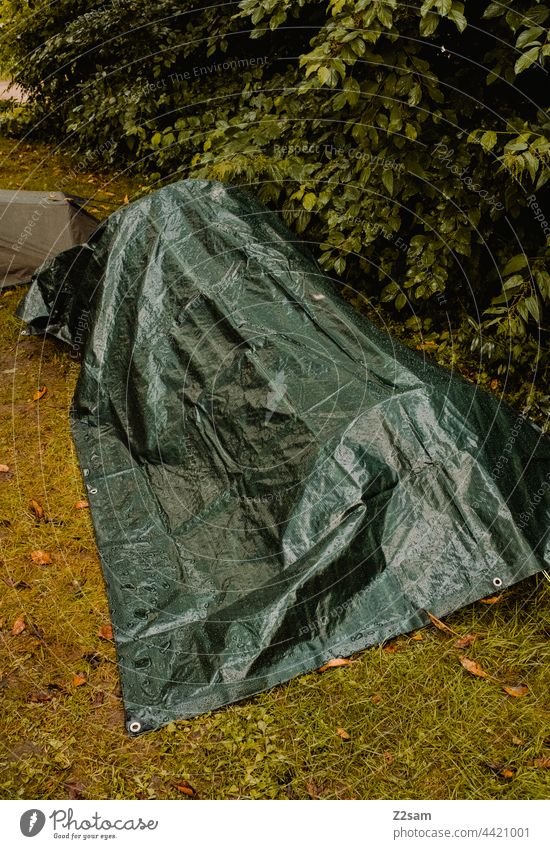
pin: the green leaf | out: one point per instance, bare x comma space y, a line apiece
428, 24
515, 264
532, 304
528, 35
527, 60
494, 10
387, 179
459, 20
389, 292
400, 301
309, 201
340, 265
488, 140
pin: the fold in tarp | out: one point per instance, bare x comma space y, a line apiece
35, 226
273, 481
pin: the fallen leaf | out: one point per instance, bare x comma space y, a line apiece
41, 558
312, 790
390, 648
502, 770
494, 384
79, 679
18, 626
39, 393
81, 505
519, 690
93, 658
388, 757
376, 699
417, 637
465, 642
36, 508
98, 698
17, 585
343, 734
40, 696
542, 763
35, 631
494, 599
126, 200
4, 468
74, 790
517, 741
334, 661
472, 667
440, 625
184, 787
105, 632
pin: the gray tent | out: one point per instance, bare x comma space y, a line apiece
35, 226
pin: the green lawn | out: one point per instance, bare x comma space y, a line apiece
419, 725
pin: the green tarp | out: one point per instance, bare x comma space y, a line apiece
273, 481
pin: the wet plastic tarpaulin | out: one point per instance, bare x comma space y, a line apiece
273, 481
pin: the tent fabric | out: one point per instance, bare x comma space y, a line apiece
33, 227
273, 481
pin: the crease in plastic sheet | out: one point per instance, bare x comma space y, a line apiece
273, 481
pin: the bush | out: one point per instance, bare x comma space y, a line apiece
406, 143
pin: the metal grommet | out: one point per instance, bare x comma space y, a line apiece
497, 582
92, 490
85, 472
134, 727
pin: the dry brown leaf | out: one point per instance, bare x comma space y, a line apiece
184, 787
79, 679
41, 558
517, 741
40, 696
465, 642
519, 690
74, 790
343, 734
440, 625
388, 757
312, 790
542, 763
18, 626
4, 468
36, 508
417, 637
494, 599
81, 505
105, 632
390, 648
39, 393
334, 661
376, 699
126, 199
502, 770
98, 698
472, 667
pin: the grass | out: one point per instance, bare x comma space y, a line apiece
420, 726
